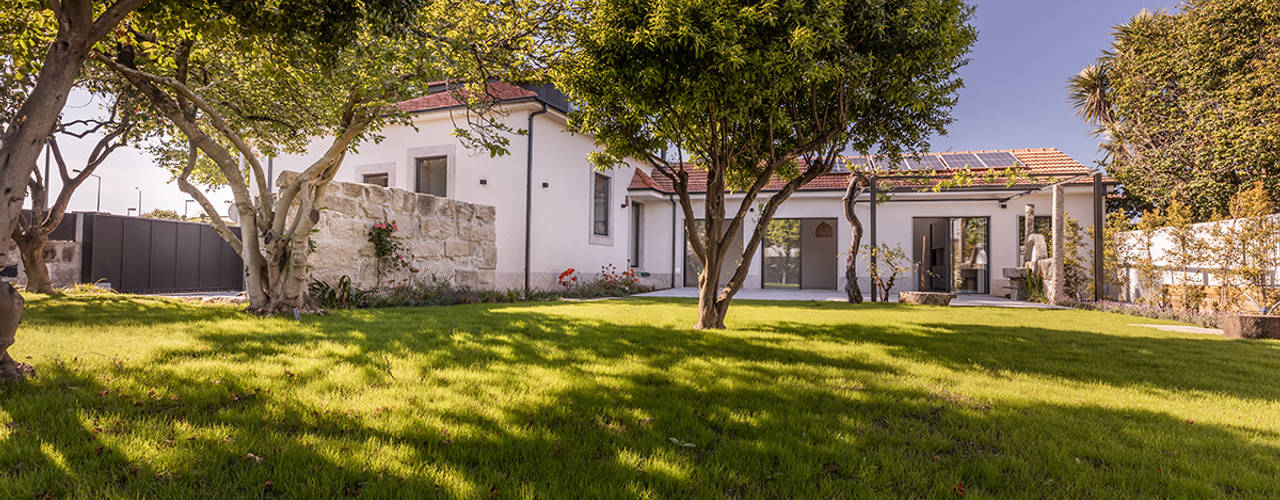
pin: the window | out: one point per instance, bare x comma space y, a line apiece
600, 206
637, 226
375, 179
432, 176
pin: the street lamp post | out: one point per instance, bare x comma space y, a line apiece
98, 208
185, 204
139, 200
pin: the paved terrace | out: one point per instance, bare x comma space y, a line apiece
963, 300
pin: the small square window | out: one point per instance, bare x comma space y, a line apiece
432, 176
375, 179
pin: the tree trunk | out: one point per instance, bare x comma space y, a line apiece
32, 250
856, 183
10, 315
711, 310
20, 145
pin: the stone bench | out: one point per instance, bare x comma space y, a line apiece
926, 298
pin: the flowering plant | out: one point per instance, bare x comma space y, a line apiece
387, 249
568, 277
380, 235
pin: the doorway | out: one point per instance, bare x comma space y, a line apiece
952, 253
800, 254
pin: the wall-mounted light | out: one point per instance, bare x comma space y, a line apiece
484, 182
1004, 205
546, 185
626, 201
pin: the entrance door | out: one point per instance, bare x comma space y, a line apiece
800, 253
937, 262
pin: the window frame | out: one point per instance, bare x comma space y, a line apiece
637, 234
597, 237
386, 178
417, 174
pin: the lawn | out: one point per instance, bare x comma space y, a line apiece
138, 397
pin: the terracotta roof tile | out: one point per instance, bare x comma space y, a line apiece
501, 91
1037, 161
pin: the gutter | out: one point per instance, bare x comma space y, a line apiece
528, 197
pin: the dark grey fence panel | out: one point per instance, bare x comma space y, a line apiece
153, 255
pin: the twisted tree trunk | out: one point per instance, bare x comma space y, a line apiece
858, 181
31, 247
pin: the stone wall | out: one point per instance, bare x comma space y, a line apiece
62, 257
443, 238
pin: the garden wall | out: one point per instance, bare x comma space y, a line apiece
442, 238
62, 257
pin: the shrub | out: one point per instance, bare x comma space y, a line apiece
344, 295
1207, 320
610, 283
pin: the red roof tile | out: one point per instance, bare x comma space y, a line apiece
499, 91
1037, 161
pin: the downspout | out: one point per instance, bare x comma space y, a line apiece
528, 198
672, 199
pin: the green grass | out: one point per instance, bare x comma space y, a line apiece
138, 397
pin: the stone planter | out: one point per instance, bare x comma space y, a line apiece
926, 298
1251, 326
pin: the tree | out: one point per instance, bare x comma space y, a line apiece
162, 214
44, 48
1186, 103
234, 96
759, 94
33, 230
1247, 248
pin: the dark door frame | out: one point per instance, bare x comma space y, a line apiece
986, 278
764, 242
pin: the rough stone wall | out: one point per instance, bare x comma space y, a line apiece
443, 238
62, 257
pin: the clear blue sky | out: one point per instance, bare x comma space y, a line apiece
1014, 93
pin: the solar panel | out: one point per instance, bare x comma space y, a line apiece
849, 163
998, 160
923, 162
961, 160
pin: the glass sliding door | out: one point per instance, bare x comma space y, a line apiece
782, 254
970, 239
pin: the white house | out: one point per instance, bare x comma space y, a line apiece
554, 212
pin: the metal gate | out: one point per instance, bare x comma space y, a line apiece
153, 255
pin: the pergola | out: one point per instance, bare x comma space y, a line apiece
908, 183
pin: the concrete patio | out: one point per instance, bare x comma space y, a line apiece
963, 300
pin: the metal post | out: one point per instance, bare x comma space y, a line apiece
872, 234
1099, 221
98, 207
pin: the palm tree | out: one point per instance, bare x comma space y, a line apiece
1089, 91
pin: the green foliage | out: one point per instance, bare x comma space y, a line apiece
1036, 290
162, 213
1247, 248
890, 264
688, 75
343, 295
1187, 103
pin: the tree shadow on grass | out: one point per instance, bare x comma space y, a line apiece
1238, 368
533, 402
732, 433
106, 310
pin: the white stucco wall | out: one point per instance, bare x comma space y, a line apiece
894, 226
561, 214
